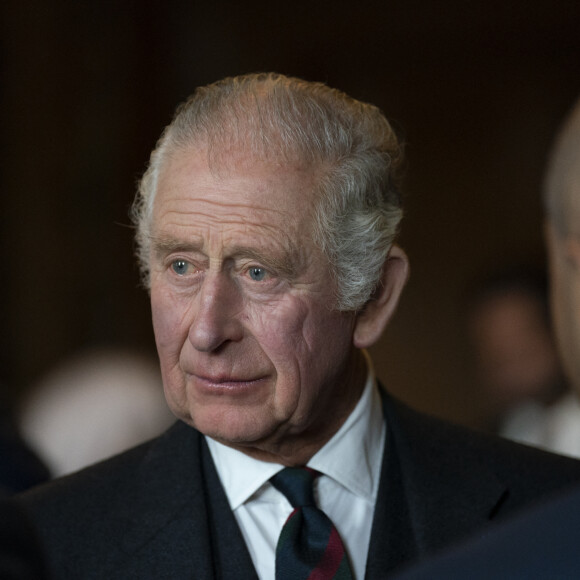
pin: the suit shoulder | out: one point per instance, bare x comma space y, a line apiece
107, 473
89, 521
109, 481
454, 445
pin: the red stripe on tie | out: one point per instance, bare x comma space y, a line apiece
331, 559
292, 514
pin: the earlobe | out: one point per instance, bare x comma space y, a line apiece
373, 319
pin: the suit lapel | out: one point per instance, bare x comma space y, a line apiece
432, 490
392, 537
168, 534
184, 527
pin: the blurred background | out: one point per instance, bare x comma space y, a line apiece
476, 88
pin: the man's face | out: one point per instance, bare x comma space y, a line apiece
251, 351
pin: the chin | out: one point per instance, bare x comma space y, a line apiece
235, 429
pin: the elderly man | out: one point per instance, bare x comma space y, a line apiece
543, 542
265, 228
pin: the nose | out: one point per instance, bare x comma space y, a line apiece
216, 321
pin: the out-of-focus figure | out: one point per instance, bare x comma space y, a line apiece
92, 406
517, 363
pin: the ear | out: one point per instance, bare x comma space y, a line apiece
372, 320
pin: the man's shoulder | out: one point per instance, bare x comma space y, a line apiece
464, 437
109, 493
539, 543
86, 485
91, 520
113, 475
452, 449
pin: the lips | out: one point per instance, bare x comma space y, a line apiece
225, 381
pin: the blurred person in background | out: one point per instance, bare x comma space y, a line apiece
518, 369
93, 405
541, 543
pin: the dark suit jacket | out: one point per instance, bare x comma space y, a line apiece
540, 544
159, 511
21, 556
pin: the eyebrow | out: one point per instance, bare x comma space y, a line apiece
287, 264
165, 245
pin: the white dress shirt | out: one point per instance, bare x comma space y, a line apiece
346, 491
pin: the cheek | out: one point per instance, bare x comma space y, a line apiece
301, 337
170, 334
281, 326
331, 340
169, 318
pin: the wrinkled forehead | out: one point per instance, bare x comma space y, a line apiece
231, 158
239, 176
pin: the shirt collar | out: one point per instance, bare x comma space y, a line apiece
352, 457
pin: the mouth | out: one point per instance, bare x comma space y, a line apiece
226, 383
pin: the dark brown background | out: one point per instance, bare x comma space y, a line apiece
477, 87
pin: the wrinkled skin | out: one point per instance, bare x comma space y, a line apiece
252, 352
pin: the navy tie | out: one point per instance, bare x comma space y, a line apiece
309, 547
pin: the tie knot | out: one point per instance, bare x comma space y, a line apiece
296, 483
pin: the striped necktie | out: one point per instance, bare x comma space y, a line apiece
309, 546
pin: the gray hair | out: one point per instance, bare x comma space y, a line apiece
562, 182
350, 143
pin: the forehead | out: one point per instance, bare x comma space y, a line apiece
236, 179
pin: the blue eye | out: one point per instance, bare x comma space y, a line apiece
257, 274
180, 267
